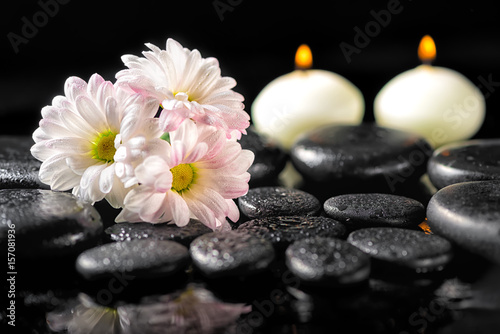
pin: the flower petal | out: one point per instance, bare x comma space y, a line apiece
106, 180
180, 210
89, 112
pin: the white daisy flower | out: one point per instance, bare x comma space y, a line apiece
80, 133
197, 175
187, 86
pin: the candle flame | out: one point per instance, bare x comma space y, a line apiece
427, 49
303, 57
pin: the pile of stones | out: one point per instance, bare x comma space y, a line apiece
379, 232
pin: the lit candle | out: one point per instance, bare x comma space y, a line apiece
438, 103
305, 99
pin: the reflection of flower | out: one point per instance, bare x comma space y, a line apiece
198, 175
193, 310
87, 317
80, 133
187, 86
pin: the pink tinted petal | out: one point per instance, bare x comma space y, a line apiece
180, 210
128, 216
233, 211
212, 200
95, 82
197, 153
74, 87
239, 165
112, 114
186, 133
178, 153
171, 117
151, 169
201, 212
137, 198
153, 209
230, 152
229, 186
222, 226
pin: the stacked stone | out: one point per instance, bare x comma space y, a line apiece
362, 226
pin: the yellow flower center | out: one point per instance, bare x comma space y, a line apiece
104, 147
183, 176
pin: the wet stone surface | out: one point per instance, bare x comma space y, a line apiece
139, 258
327, 262
132, 231
475, 160
469, 214
283, 230
407, 248
269, 159
222, 254
360, 156
375, 210
278, 201
47, 223
18, 168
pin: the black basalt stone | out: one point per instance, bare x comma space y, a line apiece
468, 214
278, 201
47, 223
327, 262
375, 210
132, 231
284, 230
269, 160
223, 254
18, 168
474, 160
363, 156
406, 248
138, 258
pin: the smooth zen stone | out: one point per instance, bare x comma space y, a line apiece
363, 156
132, 231
475, 160
327, 261
269, 160
469, 214
284, 230
278, 201
407, 248
222, 254
18, 168
138, 258
375, 210
47, 223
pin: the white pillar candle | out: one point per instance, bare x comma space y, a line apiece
438, 103
303, 100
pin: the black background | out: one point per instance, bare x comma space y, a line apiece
255, 42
